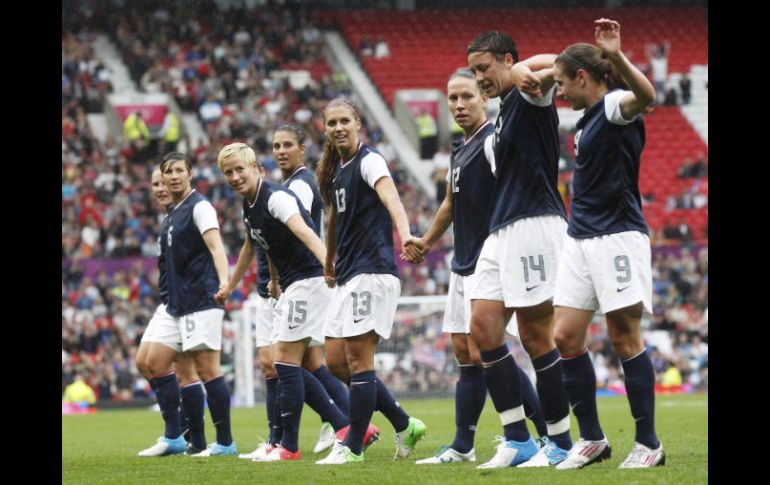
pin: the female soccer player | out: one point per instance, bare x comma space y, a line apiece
605, 264
467, 206
162, 344
363, 204
196, 268
276, 221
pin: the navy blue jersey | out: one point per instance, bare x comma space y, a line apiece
527, 157
316, 207
291, 257
162, 285
263, 270
606, 180
472, 183
190, 273
364, 231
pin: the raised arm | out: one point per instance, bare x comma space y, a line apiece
526, 76
642, 93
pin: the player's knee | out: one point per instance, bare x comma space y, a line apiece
567, 342
268, 368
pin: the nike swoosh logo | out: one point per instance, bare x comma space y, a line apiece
292, 328
532, 287
283, 415
188, 336
359, 320
624, 288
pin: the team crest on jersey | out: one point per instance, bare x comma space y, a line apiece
256, 235
577, 140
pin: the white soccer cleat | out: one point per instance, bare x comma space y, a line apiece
325, 438
644, 457
585, 452
262, 450
340, 455
511, 453
447, 454
548, 455
165, 446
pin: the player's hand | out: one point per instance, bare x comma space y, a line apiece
330, 276
414, 250
274, 289
223, 293
525, 80
607, 34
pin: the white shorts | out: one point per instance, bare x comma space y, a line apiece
266, 311
605, 273
202, 330
301, 311
518, 262
163, 329
366, 302
457, 315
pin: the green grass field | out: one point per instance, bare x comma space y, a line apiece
101, 448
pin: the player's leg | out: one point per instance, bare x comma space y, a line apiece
192, 406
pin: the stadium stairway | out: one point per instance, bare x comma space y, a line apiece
375, 106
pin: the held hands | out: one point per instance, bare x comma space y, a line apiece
608, 36
223, 293
414, 250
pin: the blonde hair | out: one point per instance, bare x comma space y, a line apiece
246, 152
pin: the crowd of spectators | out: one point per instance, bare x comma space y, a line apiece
233, 70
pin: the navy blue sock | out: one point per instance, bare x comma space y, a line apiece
553, 397
319, 401
335, 387
167, 392
387, 405
184, 422
278, 424
292, 399
580, 382
470, 396
504, 387
219, 406
363, 398
531, 403
640, 387
193, 405
273, 420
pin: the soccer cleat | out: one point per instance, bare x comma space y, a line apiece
193, 450
511, 453
407, 439
340, 455
644, 457
218, 450
325, 438
280, 453
446, 454
372, 435
585, 452
165, 446
548, 455
262, 450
